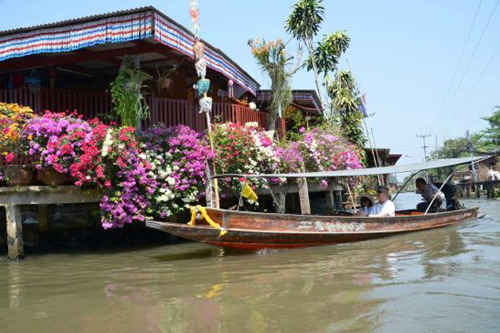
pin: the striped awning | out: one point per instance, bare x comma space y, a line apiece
117, 27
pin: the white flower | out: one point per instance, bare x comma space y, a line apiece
108, 141
170, 181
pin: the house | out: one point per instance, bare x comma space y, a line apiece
69, 65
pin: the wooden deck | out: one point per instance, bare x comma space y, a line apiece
13, 197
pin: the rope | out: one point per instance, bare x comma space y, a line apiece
202, 210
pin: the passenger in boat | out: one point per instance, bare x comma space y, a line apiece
428, 191
366, 203
384, 207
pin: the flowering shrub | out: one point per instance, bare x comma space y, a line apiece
56, 139
12, 121
127, 197
243, 150
178, 157
110, 157
319, 149
97, 154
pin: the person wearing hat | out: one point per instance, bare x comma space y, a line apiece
366, 202
384, 207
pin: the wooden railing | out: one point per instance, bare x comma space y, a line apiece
173, 112
170, 112
163, 110
88, 103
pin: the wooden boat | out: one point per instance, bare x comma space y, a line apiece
249, 230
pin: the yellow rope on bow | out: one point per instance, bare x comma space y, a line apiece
194, 216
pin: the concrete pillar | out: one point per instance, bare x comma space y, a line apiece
14, 232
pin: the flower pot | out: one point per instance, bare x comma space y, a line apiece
51, 177
18, 175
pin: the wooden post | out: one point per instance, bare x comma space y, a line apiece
478, 191
330, 202
43, 218
489, 193
305, 206
282, 202
14, 232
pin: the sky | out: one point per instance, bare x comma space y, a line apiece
408, 56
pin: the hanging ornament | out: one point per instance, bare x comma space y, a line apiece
196, 30
230, 89
194, 11
201, 67
205, 104
202, 86
195, 14
199, 49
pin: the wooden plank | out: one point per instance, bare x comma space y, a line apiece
14, 233
46, 195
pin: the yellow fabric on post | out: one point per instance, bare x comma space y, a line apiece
248, 193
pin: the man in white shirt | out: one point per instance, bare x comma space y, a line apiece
384, 207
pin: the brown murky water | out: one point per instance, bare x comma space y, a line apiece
445, 280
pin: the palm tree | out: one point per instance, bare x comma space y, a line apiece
304, 24
328, 52
271, 57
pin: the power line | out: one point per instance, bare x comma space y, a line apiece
470, 59
459, 60
477, 82
484, 71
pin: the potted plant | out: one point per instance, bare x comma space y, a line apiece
55, 141
13, 145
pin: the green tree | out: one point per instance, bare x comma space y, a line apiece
458, 147
328, 52
491, 140
346, 100
273, 60
304, 24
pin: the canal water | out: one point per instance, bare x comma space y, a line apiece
444, 280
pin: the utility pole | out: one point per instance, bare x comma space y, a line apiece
424, 136
437, 157
437, 148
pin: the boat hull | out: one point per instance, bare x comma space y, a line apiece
248, 230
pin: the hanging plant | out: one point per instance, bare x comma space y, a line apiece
126, 91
